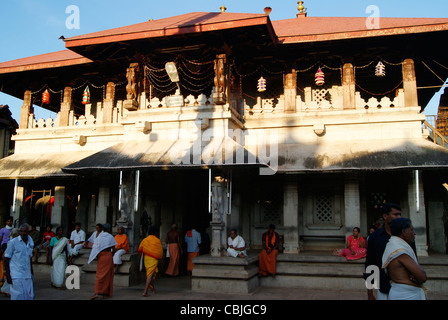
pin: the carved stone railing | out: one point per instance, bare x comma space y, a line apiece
322, 100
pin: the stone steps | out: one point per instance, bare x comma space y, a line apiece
128, 273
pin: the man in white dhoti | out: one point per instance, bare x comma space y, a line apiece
236, 245
18, 266
400, 262
77, 239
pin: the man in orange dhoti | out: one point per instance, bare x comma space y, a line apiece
268, 256
102, 244
193, 240
152, 251
174, 251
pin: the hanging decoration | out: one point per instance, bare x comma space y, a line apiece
261, 87
86, 96
319, 77
380, 70
46, 97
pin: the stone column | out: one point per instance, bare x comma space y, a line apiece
291, 217
348, 86
409, 84
218, 223
57, 210
108, 103
26, 110
417, 211
352, 206
290, 92
103, 204
19, 198
66, 108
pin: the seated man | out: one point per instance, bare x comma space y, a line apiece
236, 245
77, 239
268, 256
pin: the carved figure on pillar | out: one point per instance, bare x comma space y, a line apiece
220, 80
132, 88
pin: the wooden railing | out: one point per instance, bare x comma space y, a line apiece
434, 135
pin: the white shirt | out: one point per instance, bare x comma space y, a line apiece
20, 255
77, 237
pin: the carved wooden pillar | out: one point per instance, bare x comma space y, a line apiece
220, 96
409, 84
108, 103
26, 110
348, 86
133, 87
66, 107
290, 91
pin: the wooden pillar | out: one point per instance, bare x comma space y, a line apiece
26, 110
348, 86
108, 103
66, 107
133, 75
290, 92
409, 84
220, 94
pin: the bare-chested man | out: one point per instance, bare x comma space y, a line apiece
174, 250
401, 262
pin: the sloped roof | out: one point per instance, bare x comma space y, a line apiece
182, 24
48, 60
330, 28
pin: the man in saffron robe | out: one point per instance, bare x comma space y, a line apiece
268, 256
174, 251
152, 251
121, 248
102, 243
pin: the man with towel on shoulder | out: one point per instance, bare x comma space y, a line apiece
400, 263
102, 244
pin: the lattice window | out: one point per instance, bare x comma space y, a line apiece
323, 209
271, 211
321, 96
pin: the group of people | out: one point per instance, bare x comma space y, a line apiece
391, 248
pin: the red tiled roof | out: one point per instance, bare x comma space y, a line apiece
326, 28
43, 61
186, 23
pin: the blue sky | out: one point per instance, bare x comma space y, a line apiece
32, 27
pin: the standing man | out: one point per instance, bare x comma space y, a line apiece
102, 244
400, 263
376, 246
268, 256
4, 233
193, 240
77, 239
174, 251
151, 251
18, 266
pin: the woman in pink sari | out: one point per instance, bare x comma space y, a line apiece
355, 246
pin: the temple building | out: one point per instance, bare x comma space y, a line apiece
220, 120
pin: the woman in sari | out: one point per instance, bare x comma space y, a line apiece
355, 246
59, 247
151, 251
